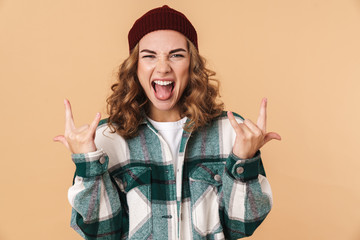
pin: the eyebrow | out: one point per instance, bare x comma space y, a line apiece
148, 51
172, 51
177, 50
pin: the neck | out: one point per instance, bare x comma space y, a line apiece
158, 115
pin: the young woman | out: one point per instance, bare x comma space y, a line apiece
168, 163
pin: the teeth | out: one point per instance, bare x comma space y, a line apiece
163, 82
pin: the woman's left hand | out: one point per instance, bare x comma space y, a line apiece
251, 137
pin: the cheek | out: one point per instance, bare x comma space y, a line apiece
184, 75
143, 74
140, 70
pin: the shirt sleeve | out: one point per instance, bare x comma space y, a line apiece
94, 198
247, 195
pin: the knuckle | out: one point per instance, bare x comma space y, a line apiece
258, 133
244, 137
252, 137
239, 131
79, 139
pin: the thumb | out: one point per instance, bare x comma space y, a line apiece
62, 139
270, 136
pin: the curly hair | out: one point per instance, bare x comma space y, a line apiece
128, 103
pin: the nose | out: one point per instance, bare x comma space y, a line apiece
163, 66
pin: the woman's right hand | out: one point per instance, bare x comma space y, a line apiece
81, 139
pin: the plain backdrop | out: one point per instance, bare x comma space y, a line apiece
304, 56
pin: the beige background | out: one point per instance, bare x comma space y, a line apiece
303, 55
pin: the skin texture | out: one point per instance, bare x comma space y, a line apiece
164, 55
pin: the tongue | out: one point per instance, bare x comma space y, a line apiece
163, 92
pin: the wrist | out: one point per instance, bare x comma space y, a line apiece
243, 155
84, 149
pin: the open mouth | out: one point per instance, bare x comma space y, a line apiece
163, 89
162, 84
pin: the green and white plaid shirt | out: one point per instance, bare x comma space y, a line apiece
128, 189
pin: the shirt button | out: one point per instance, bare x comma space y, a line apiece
102, 160
217, 178
239, 170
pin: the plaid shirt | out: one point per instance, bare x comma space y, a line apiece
128, 189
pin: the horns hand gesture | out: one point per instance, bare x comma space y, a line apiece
251, 137
81, 139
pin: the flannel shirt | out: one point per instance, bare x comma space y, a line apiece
127, 189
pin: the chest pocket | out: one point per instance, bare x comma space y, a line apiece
205, 184
134, 177
135, 182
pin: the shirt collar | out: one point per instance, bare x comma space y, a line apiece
145, 121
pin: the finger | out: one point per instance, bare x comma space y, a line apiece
261, 121
233, 122
95, 123
61, 138
246, 131
81, 128
270, 136
253, 127
69, 120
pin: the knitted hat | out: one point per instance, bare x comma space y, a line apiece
161, 18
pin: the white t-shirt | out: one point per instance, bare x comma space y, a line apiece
171, 132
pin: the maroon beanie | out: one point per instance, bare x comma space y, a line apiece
161, 18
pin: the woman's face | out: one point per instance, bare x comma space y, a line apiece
163, 72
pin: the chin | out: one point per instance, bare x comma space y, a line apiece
164, 106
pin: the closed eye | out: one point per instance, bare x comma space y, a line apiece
148, 56
177, 56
